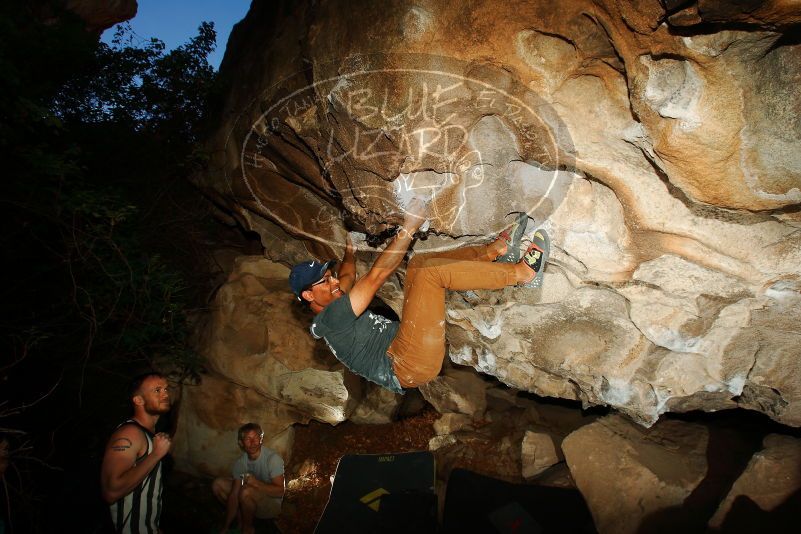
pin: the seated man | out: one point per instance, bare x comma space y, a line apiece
257, 485
408, 354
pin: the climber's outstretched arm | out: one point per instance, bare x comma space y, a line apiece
347, 268
366, 287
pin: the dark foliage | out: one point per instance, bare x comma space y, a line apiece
141, 87
101, 237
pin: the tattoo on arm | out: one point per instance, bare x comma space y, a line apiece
120, 444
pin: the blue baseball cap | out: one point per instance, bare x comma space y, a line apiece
305, 274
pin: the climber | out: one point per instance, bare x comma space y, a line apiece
410, 353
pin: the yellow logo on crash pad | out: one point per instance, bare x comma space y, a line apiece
373, 499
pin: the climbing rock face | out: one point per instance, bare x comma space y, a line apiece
657, 143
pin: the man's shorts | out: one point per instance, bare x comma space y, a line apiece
266, 507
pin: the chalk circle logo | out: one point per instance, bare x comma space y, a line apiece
468, 139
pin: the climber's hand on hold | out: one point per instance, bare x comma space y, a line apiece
415, 215
366, 287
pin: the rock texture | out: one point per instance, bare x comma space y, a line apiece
657, 142
772, 477
102, 14
266, 368
538, 452
457, 391
206, 438
378, 406
257, 336
489, 428
628, 475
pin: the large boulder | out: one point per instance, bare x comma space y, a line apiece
658, 151
629, 475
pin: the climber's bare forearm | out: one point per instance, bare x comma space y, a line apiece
347, 270
366, 287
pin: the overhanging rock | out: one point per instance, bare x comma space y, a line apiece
663, 163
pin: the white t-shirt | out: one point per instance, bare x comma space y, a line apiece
266, 467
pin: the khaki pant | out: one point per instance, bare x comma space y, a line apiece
419, 346
266, 507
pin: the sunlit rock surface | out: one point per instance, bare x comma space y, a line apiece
661, 154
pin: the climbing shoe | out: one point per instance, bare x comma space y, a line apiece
513, 236
536, 256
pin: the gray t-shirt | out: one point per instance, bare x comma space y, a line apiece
266, 467
360, 343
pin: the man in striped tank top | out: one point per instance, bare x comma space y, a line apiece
130, 477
